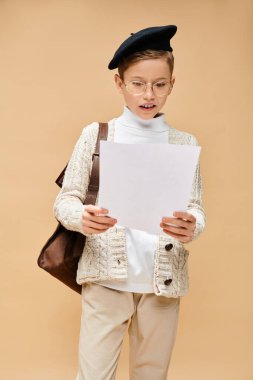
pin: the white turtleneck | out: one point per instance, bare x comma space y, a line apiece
131, 129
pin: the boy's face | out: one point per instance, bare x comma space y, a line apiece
149, 70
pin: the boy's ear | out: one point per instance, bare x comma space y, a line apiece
172, 81
118, 82
173, 78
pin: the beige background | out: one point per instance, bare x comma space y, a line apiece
54, 81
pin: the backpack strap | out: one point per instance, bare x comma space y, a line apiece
94, 177
93, 187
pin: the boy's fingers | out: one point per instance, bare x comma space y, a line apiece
176, 230
97, 226
184, 215
101, 219
176, 222
95, 209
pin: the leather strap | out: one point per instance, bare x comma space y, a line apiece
94, 177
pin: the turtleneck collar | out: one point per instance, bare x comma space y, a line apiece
130, 119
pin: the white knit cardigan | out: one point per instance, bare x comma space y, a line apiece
104, 255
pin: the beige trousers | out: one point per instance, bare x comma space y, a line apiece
152, 330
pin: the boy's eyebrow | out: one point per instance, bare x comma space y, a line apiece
138, 77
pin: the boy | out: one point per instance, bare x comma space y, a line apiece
129, 275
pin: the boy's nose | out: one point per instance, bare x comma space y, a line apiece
149, 93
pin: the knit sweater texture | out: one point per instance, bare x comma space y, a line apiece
105, 255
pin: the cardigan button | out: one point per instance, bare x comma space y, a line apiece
168, 247
118, 262
168, 281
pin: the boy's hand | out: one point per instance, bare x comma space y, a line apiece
183, 230
93, 223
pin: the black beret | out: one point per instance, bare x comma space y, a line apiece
155, 37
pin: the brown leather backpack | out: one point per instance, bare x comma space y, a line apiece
61, 253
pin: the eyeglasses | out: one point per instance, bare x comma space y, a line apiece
136, 87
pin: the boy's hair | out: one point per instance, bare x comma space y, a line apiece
125, 62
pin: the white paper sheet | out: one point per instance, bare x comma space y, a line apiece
141, 183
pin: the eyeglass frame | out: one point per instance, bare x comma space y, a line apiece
145, 88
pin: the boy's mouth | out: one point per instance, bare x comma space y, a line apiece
148, 106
